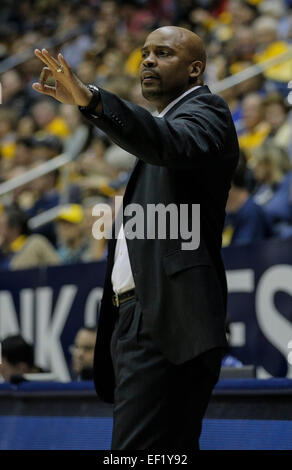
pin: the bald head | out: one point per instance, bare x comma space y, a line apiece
185, 40
173, 61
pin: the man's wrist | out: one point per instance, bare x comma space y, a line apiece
94, 101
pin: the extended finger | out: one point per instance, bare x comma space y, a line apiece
41, 56
64, 62
52, 61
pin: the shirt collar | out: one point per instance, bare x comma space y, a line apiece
170, 105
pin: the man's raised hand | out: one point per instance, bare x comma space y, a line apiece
68, 88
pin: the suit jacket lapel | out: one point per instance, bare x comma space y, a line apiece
199, 91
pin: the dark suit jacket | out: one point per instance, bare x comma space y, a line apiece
186, 157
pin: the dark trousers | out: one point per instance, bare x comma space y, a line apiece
158, 405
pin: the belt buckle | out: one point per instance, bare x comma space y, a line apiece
116, 300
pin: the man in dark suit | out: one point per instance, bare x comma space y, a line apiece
161, 331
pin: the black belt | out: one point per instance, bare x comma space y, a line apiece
118, 299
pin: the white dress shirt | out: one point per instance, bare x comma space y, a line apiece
122, 277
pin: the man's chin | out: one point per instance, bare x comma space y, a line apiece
150, 94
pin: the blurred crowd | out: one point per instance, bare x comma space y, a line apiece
49, 219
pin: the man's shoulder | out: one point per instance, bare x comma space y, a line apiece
205, 95
201, 98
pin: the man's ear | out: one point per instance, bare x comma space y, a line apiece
196, 69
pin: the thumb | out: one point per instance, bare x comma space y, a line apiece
45, 90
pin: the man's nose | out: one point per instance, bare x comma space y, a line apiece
150, 60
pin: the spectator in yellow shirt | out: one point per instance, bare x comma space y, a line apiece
47, 119
256, 128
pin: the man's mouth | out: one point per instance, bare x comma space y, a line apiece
150, 80
148, 77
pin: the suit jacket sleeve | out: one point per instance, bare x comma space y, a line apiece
192, 137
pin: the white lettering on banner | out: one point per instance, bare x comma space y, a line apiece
276, 328
239, 280
8, 318
44, 299
237, 334
26, 314
91, 306
42, 322
49, 348
262, 373
289, 346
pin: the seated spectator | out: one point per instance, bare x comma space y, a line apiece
45, 191
46, 146
229, 360
45, 114
274, 186
19, 249
269, 45
279, 208
270, 164
23, 151
26, 126
245, 222
83, 353
235, 94
17, 359
276, 110
256, 129
72, 243
15, 95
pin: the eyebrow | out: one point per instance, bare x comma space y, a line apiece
158, 46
